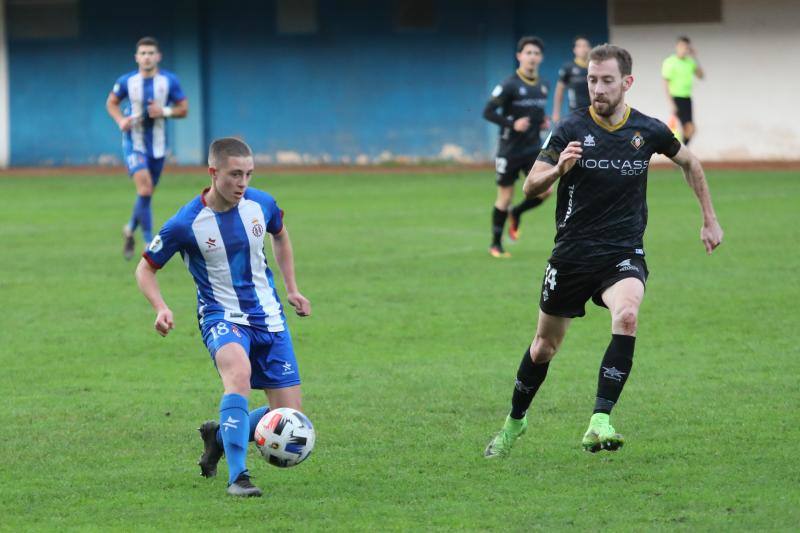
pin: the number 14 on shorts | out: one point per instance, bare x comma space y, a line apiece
549, 281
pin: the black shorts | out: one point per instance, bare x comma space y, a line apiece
684, 106
508, 169
568, 286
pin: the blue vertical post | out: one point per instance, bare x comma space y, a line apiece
499, 55
188, 139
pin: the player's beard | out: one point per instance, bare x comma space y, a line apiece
607, 106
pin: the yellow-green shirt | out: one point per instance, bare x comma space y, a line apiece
680, 75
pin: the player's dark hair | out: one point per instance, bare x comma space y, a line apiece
685, 39
221, 149
580, 38
607, 51
530, 39
147, 41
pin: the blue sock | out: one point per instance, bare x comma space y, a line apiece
255, 416
145, 217
134, 221
234, 421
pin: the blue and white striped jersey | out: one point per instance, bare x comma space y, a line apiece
224, 252
147, 135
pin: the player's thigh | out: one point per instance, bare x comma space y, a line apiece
285, 397
550, 333
143, 181
229, 346
623, 299
233, 365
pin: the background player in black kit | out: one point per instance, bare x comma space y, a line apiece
521, 99
601, 156
572, 79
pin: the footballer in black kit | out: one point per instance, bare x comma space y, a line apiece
521, 100
572, 79
601, 155
601, 208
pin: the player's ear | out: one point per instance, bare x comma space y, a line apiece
212, 171
627, 82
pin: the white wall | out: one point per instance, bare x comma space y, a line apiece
748, 107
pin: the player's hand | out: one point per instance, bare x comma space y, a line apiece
522, 124
711, 235
568, 157
300, 303
154, 110
125, 124
556, 116
164, 322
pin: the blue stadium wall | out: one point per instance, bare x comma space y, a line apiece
359, 88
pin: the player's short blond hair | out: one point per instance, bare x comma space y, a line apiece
221, 149
607, 51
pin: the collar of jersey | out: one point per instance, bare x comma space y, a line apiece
526, 79
581, 63
613, 127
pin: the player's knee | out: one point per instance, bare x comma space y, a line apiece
626, 319
543, 350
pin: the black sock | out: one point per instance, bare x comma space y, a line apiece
529, 378
614, 371
498, 222
526, 205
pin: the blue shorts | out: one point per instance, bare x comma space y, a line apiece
272, 361
136, 161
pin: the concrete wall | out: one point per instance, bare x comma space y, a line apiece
746, 107
359, 88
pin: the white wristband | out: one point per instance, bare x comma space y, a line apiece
166, 112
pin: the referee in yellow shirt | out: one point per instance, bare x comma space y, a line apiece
678, 71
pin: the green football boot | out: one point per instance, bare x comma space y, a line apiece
601, 435
501, 444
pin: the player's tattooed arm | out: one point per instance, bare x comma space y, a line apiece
284, 256
543, 175
711, 232
146, 279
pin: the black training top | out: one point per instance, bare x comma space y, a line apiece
573, 76
517, 97
602, 201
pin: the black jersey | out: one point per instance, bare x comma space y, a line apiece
573, 76
602, 206
518, 97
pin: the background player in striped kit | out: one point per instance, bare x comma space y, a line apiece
220, 235
154, 95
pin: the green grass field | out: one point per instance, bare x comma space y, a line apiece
408, 364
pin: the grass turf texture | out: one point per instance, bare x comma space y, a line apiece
408, 366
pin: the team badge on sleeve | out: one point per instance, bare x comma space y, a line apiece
156, 244
637, 140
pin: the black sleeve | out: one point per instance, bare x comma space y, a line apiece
499, 97
666, 143
556, 141
563, 74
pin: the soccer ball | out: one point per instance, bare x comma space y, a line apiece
285, 437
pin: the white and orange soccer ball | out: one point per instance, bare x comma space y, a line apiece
285, 437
